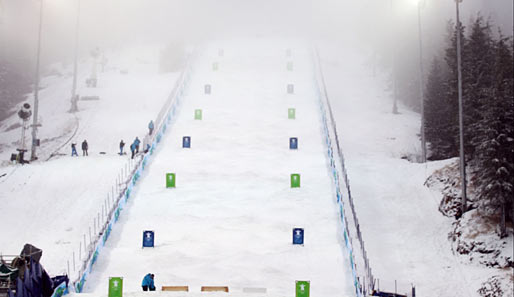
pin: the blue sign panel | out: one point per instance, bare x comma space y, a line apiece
298, 236
186, 141
293, 143
148, 239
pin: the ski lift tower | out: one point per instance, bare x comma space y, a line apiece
24, 113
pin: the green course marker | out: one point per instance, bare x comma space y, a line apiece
303, 288
170, 180
115, 286
295, 180
290, 66
291, 113
215, 66
198, 114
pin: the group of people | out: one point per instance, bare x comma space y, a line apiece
134, 147
85, 147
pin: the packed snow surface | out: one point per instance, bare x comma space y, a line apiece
229, 221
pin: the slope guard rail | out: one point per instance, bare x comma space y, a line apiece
363, 279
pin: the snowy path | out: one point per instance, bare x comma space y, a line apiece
229, 221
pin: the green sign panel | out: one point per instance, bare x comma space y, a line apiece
303, 288
295, 180
290, 66
198, 114
115, 286
170, 180
215, 66
291, 113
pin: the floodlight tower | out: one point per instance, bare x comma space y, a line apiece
35, 141
461, 121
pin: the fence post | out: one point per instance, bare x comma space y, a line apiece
90, 241
74, 261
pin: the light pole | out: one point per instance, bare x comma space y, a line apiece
421, 93
461, 121
35, 124
74, 98
395, 79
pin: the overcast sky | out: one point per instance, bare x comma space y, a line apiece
109, 23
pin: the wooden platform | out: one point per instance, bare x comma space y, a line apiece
175, 288
214, 289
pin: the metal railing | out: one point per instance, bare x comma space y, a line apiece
364, 281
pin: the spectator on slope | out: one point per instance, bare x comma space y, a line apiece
84, 148
136, 143
148, 283
122, 145
150, 127
133, 149
74, 150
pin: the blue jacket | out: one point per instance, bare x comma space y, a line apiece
137, 141
150, 125
148, 281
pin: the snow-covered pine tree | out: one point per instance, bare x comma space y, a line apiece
439, 121
495, 139
452, 96
477, 80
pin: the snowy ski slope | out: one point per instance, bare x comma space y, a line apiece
229, 221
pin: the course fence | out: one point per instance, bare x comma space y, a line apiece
363, 279
118, 198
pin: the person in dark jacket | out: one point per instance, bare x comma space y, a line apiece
136, 143
74, 150
122, 145
148, 283
84, 148
133, 150
150, 127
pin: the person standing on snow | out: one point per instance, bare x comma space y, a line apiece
122, 145
133, 149
150, 127
84, 148
74, 150
136, 143
148, 283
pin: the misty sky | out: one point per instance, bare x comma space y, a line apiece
114, 23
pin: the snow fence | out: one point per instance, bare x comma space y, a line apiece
163, 121
363, 285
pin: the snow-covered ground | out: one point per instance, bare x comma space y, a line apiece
405, 234
52, 204
229, 220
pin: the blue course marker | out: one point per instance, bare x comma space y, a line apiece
298, 236
293, 143
186, 142
148, 238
